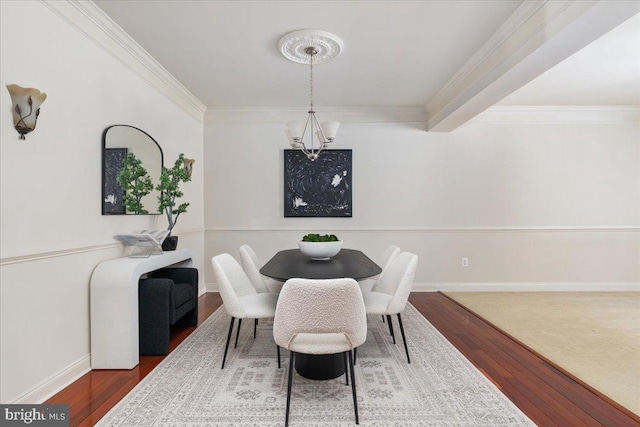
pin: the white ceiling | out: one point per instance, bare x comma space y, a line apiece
397, 53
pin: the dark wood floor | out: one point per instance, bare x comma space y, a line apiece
548, 395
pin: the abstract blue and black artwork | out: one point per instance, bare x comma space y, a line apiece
321, 188
112, 192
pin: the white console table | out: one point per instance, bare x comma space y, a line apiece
114, 306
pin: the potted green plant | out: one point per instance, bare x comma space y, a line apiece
319, 247
136, 182
169, 188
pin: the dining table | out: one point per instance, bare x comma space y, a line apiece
348, 263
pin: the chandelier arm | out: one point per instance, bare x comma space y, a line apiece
315, 129
304, 131
324, 138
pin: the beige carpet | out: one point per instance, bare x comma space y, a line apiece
593, 335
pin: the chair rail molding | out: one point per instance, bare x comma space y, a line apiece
523, 229
510, 287
97, 26
83, 249
58, 253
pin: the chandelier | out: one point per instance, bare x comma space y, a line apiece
309, 47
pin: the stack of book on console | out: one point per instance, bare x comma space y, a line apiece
146, 243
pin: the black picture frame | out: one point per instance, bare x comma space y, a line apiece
321, 188
112, 192
109, 183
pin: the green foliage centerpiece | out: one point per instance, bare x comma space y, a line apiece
319, 247
169, 188
136, 182
319, 238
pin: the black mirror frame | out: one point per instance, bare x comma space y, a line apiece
104, 141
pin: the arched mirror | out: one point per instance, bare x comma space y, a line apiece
117, 142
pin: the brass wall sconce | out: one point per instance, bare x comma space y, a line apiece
26, 107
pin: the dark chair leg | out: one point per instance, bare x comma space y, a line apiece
238, 333
291, 363
404, 340
383, 318
255, 326
390, 328
353, 387
226, 347
278, 348
354, 355
346, 368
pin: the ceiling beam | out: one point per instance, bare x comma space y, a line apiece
536, 37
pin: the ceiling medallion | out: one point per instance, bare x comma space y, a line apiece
293, 45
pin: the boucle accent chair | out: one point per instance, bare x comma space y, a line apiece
239, 297
390, 294
320, 317
251, 265
388, 256
167, 297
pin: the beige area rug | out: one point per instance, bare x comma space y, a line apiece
439, 388
593, 335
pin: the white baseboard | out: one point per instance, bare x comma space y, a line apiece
528, 287
55, 383
514, 287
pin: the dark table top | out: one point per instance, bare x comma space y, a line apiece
292, 263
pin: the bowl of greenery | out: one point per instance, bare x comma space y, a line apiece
319, 247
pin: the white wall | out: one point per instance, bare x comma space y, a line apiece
52, 232
526, 203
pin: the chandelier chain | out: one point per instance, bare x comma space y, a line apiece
311, 79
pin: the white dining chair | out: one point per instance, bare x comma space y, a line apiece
388, 255
239, 297
251, 265
390, 294
320, 317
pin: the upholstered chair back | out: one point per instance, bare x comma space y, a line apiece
389, 255
232, 283
396, 280
250, 265
330, 306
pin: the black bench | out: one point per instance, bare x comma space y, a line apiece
167, 297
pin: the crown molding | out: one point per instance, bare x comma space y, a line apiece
341, 114
562, 114
536, 37
97, 26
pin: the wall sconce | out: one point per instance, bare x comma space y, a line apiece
26, 107
188, 165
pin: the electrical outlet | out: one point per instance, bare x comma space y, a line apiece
465, 262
